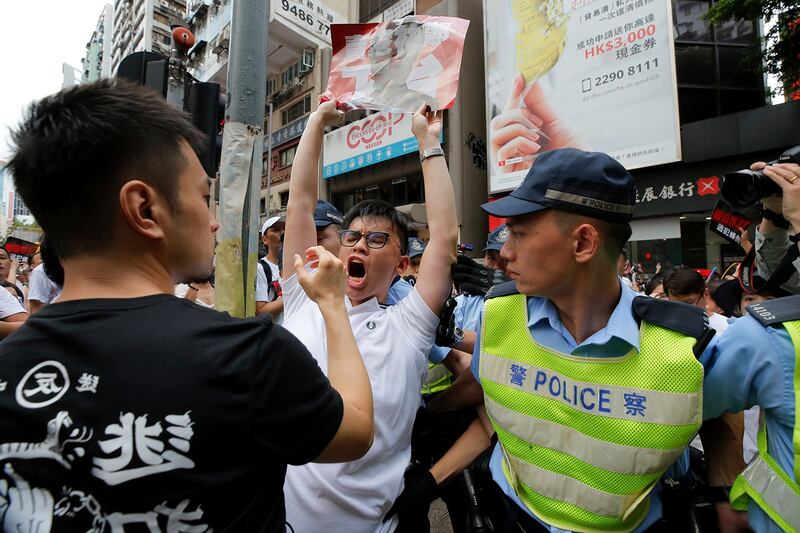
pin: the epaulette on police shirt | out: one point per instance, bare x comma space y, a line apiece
776, 311
502, 289
683, 318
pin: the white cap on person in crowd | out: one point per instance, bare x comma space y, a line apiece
269, 223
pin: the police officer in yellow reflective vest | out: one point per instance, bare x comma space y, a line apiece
756, 363
593, 391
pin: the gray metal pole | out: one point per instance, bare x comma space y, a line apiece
268, 136
242, 149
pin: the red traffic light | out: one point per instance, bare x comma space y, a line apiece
183, 38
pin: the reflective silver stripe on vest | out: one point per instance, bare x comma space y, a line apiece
435, 374
774, 491
566, 489
599, 453
610, 401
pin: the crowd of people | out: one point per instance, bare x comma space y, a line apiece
547, 385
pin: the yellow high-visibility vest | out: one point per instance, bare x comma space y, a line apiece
439, 379
585, 440
764, 481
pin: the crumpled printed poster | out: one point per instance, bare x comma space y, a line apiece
398, 65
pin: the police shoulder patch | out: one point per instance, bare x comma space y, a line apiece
776, 311
502, 289
683, 318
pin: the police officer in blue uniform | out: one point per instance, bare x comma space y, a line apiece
567, 222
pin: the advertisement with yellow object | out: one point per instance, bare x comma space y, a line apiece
590, 74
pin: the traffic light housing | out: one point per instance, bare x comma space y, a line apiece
146, 68
207, 107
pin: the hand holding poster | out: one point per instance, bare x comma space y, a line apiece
398, 65
20, 250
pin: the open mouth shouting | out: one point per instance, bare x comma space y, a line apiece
356, 272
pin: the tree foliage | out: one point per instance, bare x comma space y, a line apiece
781, 48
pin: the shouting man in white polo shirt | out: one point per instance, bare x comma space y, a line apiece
393, 340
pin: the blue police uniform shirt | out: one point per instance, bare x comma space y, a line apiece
754, 365
617, 338
399, 290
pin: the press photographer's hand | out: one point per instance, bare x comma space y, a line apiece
787, 177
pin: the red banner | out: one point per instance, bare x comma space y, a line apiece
397, 65
20, 250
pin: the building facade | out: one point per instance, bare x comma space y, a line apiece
143, 25
297, 66
97, 63
727, 123
13, 206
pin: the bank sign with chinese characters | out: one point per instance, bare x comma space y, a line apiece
311, 18
591, 74
674, 194
369, 141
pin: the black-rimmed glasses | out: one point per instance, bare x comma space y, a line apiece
374, 239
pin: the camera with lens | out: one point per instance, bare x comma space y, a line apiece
744, 189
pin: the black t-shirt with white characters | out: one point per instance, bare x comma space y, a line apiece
154, 414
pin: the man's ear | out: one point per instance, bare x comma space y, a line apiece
586, 243
143, 209
264, 239
402, 264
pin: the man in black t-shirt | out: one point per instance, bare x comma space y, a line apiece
123, 408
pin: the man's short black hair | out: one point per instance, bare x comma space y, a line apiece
683, 282
384, 210
51, 262
615, 234
76, 148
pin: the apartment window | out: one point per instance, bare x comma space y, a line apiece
272, 85
296, 110
20, 209
371, 8
290, 73
284, 199
287, 156
710, 61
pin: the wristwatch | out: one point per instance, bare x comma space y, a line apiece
430, 152
458, 336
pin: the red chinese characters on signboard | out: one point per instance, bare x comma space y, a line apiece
397, 65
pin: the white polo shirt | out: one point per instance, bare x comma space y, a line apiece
394, 343
9, 305
265, 292
42, 288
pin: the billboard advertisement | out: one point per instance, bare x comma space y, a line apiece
590, 74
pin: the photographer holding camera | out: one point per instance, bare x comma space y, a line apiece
774, 186
755, 359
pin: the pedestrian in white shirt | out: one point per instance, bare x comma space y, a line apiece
268, 274
394, 340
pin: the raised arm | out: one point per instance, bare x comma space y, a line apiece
433, 281
301, 233
346, 370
